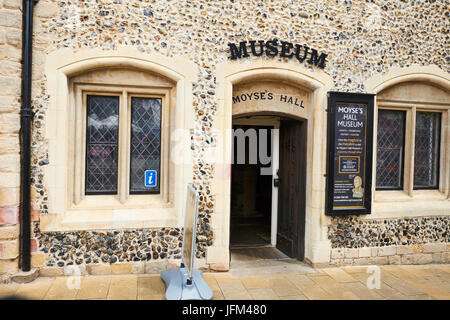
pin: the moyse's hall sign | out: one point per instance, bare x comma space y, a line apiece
274, 47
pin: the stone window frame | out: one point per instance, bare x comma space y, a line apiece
414, 203
411, 110
125, 93
63, 65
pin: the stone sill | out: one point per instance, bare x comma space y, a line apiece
103, 202
397, 204
77, 220
402, 196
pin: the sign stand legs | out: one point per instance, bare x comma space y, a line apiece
178, 288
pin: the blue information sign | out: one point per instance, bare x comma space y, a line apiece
150, 178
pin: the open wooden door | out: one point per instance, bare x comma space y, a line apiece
292, 188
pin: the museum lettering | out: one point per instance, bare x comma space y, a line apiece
274, 47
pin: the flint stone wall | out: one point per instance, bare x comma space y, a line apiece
419, 240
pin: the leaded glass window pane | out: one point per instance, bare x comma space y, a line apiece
145, 143
426, 150
390, 149
102, 136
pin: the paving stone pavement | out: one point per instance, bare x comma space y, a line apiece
399, 282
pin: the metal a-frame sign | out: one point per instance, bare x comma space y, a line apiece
186, 283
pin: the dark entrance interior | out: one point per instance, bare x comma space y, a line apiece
251, 192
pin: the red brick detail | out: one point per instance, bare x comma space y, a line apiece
35, 212
9, 215
34, 245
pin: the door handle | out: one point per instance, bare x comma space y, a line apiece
276, 182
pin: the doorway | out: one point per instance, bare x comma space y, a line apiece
251, 184
268, 197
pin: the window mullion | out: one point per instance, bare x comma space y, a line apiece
409, 151
123, 147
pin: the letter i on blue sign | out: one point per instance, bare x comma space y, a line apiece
150, 178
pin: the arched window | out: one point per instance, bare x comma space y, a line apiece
121, 135
117, 128
411, 137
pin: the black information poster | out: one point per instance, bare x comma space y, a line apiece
349, 153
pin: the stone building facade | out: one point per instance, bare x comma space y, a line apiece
178, 52
10, 79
